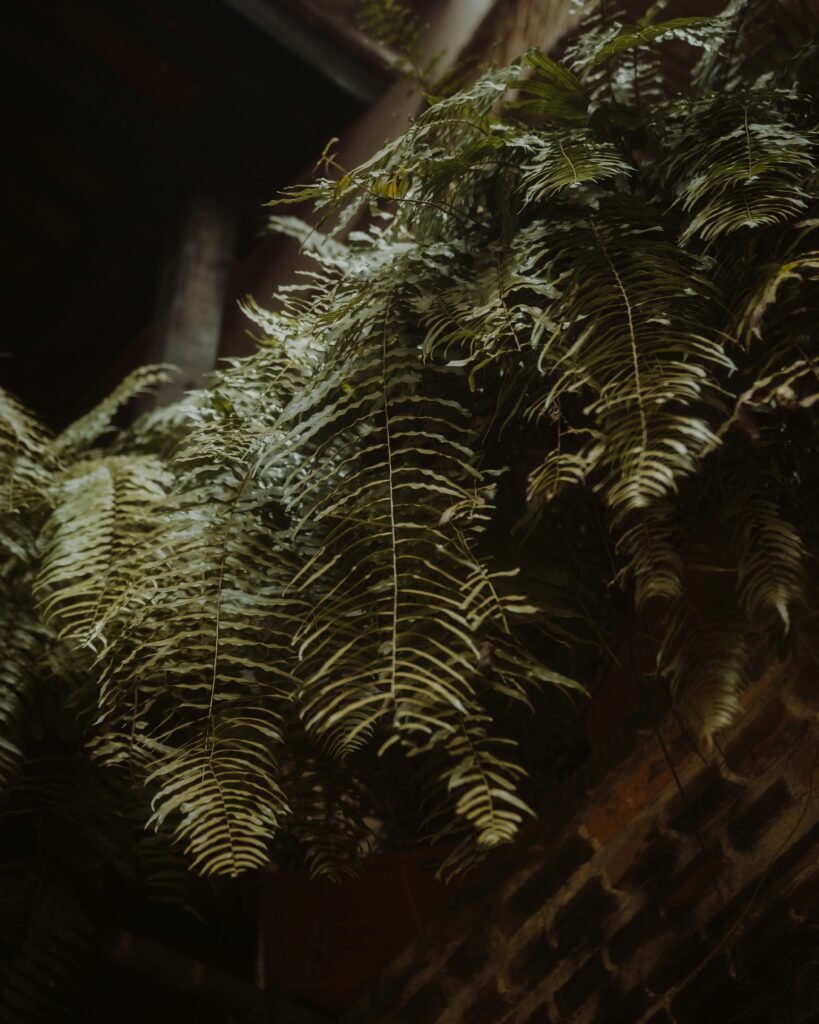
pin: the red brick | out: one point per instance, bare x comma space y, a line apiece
613, 812
805, 687
679, 963
488, 1007
628, 853
533, 962
747, 829
540, 1015
544, 882
639, 931
699, 878
582, 919
651, 874
705, 799
766, 740
591, 981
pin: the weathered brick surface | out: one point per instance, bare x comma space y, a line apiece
425, 1004
534, 960
702, 872
746, 751
592, 981
703, 995
637, 932
652, 874
471, 956
488, 1007
705, 801
806, 692
748, 827
626, 1009
685, 959
587, 909
635, 903
540, 1015
775, 744
804, 851
545, 881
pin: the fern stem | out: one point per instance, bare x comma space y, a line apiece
218, 621
635, 355
391, 498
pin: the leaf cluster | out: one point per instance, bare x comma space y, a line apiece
550, 368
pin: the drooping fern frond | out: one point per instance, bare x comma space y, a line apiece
772, 555
211, 717
335, 816
752, 43
87, 429
202, 726
747, 168
102, 511
24, 460
551, 92
26, 469
619, 60
563, 374
22, 636
406, 628
631, 345
565, 159
705, 656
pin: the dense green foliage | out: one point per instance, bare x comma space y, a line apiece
550, 374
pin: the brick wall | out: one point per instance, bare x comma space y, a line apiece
636, 903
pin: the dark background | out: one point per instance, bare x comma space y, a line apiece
114, 114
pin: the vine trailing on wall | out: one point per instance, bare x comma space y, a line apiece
563, 374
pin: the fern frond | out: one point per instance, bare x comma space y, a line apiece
565, 160
552, 92
26, 470
752, 42
569, 464
784, 283
334, 815
631, 345
629, 37
617, 60
161, 431
403, 616
771, 555
738, 164
651, 545
207, 586
704, 655
483, 782
81, 434
221, 789
23, 639
24, 461
102, 510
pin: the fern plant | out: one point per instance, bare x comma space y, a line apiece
551, 365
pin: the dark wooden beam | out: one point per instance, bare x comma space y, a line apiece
192, 292
326, 54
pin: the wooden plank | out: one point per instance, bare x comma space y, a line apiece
346, 71
193, 287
